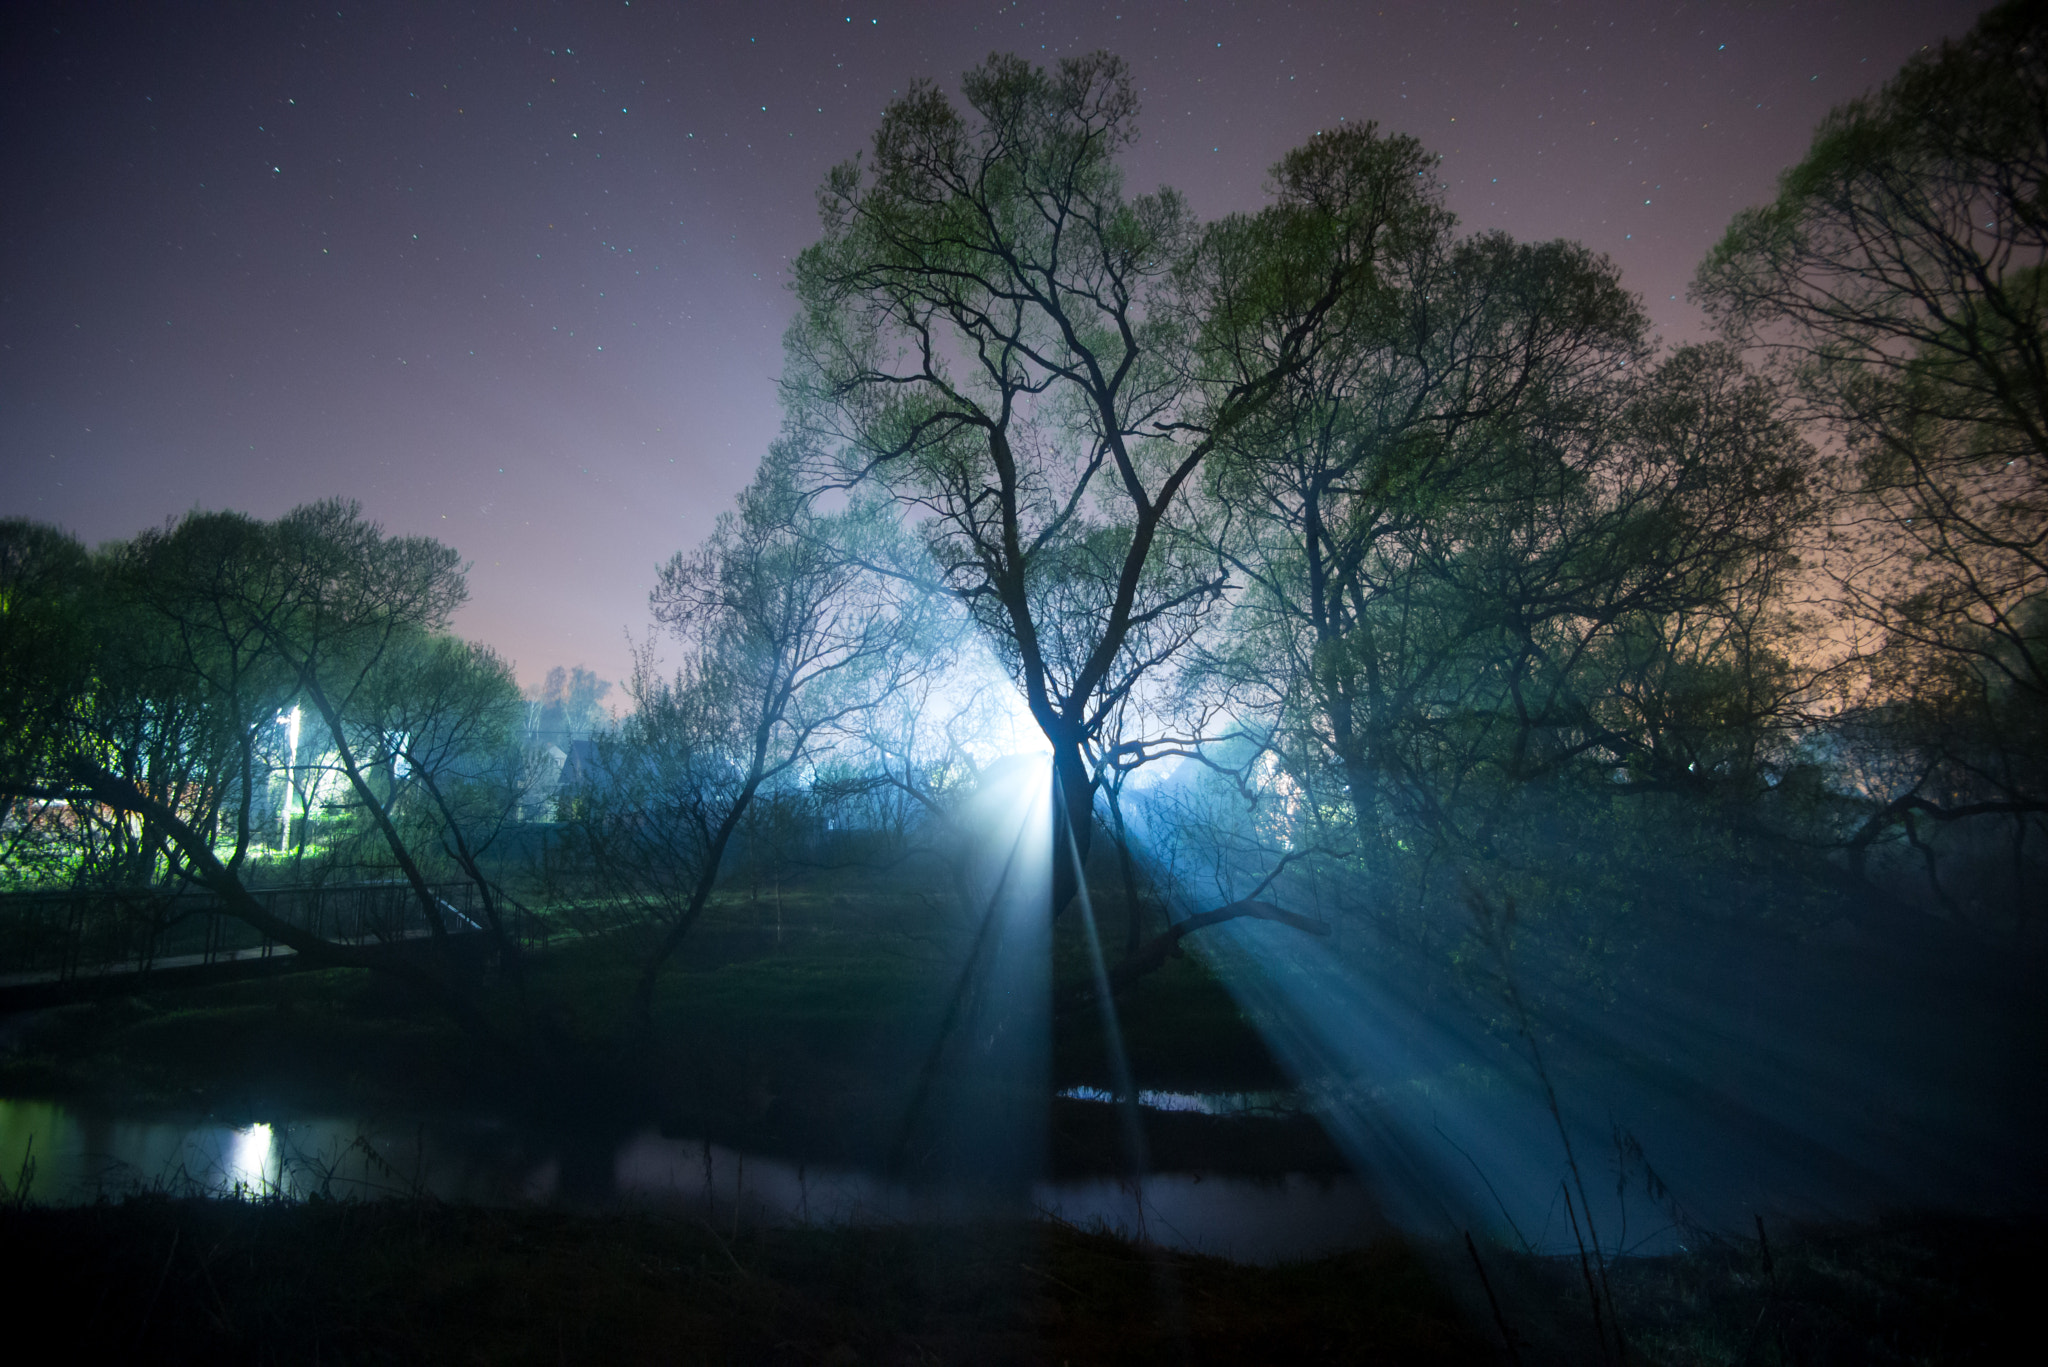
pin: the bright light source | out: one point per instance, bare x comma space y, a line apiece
290, 721
248, 1164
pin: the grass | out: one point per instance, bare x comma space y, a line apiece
220, 1282
1917, 1288
189, 1280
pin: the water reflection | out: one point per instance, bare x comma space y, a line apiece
248, 1166
1199, 1103
66, 1155
1251, 1220
1248, 1219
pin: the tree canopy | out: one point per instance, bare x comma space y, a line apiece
1036, 364
1896, 284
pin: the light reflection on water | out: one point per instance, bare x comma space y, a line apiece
58, 1154
64, 1155
70, 1156
249, 1163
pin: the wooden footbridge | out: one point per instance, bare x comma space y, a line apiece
75, 944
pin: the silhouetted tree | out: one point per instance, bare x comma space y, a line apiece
1035, 364
441, 723
1489, 549
568, 706
1896, 281
786, 639
158, 705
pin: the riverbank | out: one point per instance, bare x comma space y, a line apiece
800, 1033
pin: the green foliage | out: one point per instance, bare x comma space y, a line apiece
223, 680
1504, 575
1034, 366
1896, 283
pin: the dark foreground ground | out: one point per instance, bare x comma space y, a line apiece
194, 1280
212, 1281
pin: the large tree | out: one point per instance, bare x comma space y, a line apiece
1489, 547
92, 682
1379, 467
1036, 364
1897, 281
163, 664
324, 596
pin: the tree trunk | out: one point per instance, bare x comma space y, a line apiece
1073, 822
1134, 907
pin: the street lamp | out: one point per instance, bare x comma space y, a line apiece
290, 721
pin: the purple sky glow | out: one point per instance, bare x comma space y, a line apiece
513, 275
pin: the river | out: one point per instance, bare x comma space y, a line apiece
64, 1153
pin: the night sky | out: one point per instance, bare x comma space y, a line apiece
513, 275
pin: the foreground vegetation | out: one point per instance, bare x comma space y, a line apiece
196, 1280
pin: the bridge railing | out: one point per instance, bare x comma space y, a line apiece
67, 934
